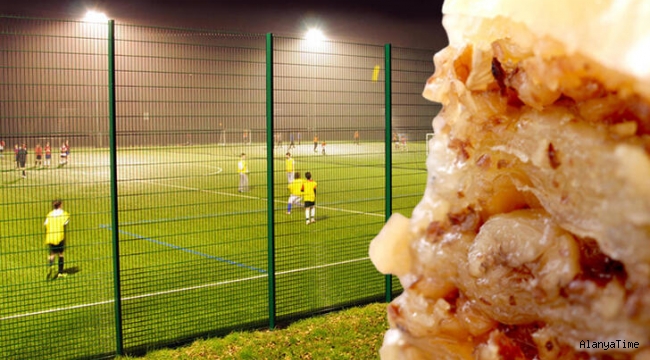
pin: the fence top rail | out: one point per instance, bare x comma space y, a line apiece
126, 24
207, 31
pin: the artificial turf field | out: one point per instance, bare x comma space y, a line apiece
193, 251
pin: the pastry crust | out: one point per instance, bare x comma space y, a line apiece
532, 238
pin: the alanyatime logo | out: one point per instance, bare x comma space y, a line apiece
607, 345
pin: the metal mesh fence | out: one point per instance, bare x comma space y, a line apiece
412, 117
52, 94
184, 228
326, 92
181, 95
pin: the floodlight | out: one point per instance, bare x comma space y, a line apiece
95, 17
315, 36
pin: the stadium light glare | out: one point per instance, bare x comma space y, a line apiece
95, 17
315, 36
95, 22
314, 44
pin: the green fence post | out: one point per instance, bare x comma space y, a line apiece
389, 152
269, 181
119, 348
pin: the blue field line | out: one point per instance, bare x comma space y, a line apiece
193, 252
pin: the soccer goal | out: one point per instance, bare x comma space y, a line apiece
429, 137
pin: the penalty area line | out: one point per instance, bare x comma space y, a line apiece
201, 190
256, 198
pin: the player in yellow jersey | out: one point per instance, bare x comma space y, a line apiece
295, 192
309, 195
289, 167
55, 224
242, 169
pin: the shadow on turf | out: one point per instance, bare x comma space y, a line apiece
72, 270
69, 271
318, 220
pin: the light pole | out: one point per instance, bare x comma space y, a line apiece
96, 20
314, 38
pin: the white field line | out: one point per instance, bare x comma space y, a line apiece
254, 197
349, 211
40, 173
200, 190
219, 169
124, 299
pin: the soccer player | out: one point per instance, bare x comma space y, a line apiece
16, 148
39, 155
64, 155
67, 151
402, 141
2, 148
289, 167
242, 169
322, 146
22, 158
309, 194
356, 137
48, 155
295, 192
315, 143
278, 139
292, 144
55, 224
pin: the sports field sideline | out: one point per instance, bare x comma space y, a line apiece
193, 252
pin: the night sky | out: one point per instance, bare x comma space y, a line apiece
407, 23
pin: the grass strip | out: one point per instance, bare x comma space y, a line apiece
355, 333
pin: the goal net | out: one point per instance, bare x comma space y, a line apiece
429, 137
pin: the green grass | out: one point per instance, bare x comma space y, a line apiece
193, 251
355, 333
